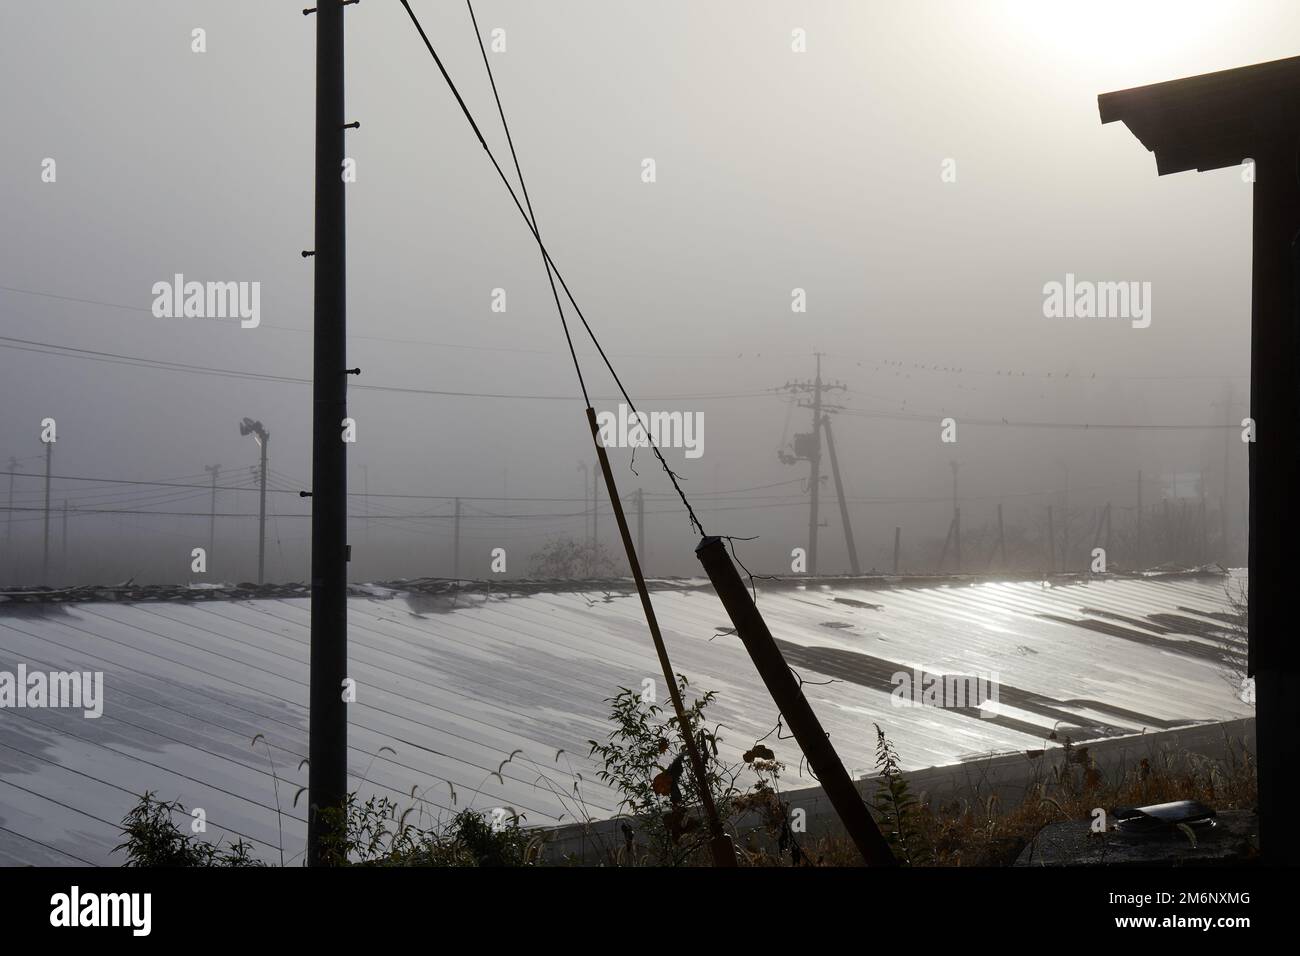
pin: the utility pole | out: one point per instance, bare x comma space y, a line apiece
1065, 520
816, 478
640, 525
455, 543
263, 438
45, 555
1002, 539
9, 521
1229, 431
1108, 531
63, 544
1138, 563
807, 447
1225, 525
956, 516
839, 492
898, 533
328, 727
586, 525
595, 504
213, 470
1051, 543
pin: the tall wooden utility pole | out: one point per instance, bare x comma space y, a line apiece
9, 521
586, 525
1002, 539
263, 439
640, 525
956, 515
213, 470
1230, 432
816, 478
808, 447
1138, 563
1065, 520
328, 728
1051, 543
45, 555
455, 543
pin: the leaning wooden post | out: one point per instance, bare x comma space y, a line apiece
794, 707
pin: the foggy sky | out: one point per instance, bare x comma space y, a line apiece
775, 170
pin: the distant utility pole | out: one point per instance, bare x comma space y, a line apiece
1002, 539
45, 555
365, 500
1065, 521
9, 521
595, 505
263, 438
328, 717
213, 470
1224, 524
1051, 543
640, 525
1138, 562
816, 477
956, 515
808, 447
1229, 403
63, 544
839, 493
586, 524
455, 543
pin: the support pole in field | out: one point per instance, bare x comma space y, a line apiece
839, 491
786, 693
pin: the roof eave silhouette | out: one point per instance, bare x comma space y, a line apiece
1212, 120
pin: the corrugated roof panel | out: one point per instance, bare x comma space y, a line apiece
454, 687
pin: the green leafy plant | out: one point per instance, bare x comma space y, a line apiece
154, 839
375, 834
894, 804
645, 759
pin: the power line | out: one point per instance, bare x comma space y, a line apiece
116, 358
550, 262
1007, 423
395, 340
898, 366
296, 485
66, 351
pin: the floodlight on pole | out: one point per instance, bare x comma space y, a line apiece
263, 438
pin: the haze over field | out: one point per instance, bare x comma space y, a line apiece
921, 172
